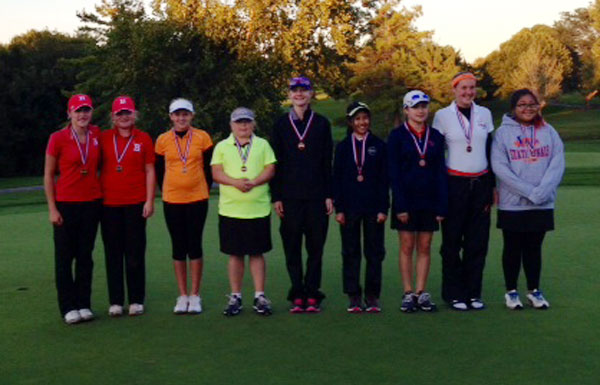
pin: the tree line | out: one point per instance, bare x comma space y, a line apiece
223, 54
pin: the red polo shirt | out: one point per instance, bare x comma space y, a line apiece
127, 186
76, 182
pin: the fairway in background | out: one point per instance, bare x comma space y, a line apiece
495, 346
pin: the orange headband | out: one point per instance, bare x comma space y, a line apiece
462, 77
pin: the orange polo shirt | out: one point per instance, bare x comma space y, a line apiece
184, 183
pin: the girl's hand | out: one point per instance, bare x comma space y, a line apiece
55, 218
340, 218
402, 217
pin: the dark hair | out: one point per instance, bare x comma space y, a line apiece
350, 119
538, 121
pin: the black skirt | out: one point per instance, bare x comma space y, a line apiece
526, 221
245, 236
418, 221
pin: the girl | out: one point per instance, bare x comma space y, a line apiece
182, 160
528, 160
74, 207
243, 164
419, 195
128, 184
361, 199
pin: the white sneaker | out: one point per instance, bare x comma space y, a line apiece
513, 302
459, 305
86, 314
181, 306
195, 305
537, 300
72, 317
136, 309
115, 310
476, 304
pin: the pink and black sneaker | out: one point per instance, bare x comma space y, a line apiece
312, 306
297, 306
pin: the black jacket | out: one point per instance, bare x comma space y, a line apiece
369, 196
302, 174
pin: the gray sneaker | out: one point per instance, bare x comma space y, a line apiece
424, 302
262, 305
234, 306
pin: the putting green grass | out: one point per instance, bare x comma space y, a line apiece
495, 346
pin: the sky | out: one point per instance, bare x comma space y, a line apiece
475, 27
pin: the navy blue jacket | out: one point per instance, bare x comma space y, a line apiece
415, 187
369, 196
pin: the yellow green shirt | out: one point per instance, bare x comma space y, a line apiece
233, 203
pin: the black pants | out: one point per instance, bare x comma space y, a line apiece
466, 229
74, 241
306, 218
124, 236
526, 248
185, 222
373, 240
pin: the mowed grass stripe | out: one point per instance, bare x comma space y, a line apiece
494, 346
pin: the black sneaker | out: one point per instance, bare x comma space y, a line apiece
297, 306
234, 306
355, 305
372, 305
409, 302
424, 302
262, 305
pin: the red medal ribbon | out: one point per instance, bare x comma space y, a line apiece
87, 145
467, 131
359, 166
183, 157
422, 151
117, 156
301, 137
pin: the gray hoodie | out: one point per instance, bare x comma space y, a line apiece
528, 171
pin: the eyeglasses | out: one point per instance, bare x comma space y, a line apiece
533, 106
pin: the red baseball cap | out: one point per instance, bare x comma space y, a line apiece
78, 101
123, 103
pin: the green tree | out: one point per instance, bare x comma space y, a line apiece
311, 37
532, 53
35, 76
576, 31
594, 13
398, 58
155, 61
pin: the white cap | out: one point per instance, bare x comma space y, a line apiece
415, 97
181, 104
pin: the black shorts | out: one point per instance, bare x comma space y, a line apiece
245, 236
185, 222
419, 221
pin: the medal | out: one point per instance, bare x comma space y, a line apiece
244, 151
422, 152
183, 156
359, 164
184, 170
301, 144
120, 157
468, 132
84, 156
